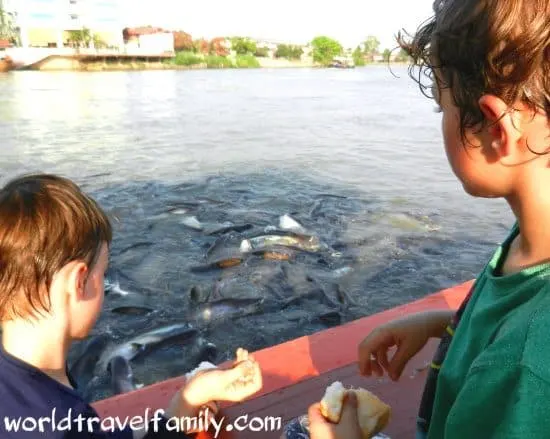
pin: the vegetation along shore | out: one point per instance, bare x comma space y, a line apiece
89, 54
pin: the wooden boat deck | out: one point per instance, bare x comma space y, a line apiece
297, 372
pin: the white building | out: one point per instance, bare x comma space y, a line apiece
46, 23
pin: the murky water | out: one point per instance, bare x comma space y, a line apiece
355, 156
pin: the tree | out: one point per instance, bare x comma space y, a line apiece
402, 56
80, 38
324, 49
217, 47
183, 42
386, 55
201, 46
371, 47
98, 42
262, 52
243, 46
289, 51
7, 30
358, 57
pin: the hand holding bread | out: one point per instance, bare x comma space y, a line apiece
342, 413
373, 415
347, 427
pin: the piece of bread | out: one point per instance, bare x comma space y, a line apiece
373, 414
205, 365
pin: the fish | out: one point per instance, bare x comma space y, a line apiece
122, 377
225, 247
82, 370
220, 229
214, 228
222, 254
134, 246
198, 294
344, 297
203, 350
296, 241
223, 263
286, 222
134, 310
276, 252
296, 299
192, 222
342, 271
319, 287
330, 318
177, 210
147, 341
224, 309
114, 288
171, 210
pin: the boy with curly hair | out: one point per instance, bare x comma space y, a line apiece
489, 66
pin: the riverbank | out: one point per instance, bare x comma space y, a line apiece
181, 61
63, 64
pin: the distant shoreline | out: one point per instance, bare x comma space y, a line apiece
70, 63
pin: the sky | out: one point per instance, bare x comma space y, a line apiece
349, 21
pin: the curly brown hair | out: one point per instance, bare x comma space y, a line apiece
477, 47
46, 221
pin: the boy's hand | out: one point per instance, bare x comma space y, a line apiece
235, 384
202, 392
347, 428
408, 334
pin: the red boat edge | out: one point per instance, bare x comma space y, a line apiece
297, 372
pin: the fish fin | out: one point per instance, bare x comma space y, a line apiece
246, 246
138, 346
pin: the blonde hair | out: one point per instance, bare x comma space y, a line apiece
46, 221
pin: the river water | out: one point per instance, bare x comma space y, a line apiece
355, 156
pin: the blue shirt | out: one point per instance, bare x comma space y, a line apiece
34, 405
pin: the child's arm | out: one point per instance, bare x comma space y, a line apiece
409, 334
201, 392
209, 386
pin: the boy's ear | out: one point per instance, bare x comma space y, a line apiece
503, 128
77, 273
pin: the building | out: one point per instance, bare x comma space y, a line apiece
48, 23
148, 39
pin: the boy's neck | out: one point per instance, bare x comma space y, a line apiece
39, 344
532, 212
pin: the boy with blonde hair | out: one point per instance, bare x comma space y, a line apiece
54, 251
489, 65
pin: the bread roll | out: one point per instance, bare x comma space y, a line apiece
204, 365
373, 414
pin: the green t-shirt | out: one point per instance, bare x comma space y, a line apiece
495, 379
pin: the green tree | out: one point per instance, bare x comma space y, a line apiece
324, 49
98, 42
80, 38
262, 52
7, 29
371, 46
243, 46
402, 56
386, 55
358, 57
289, 51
